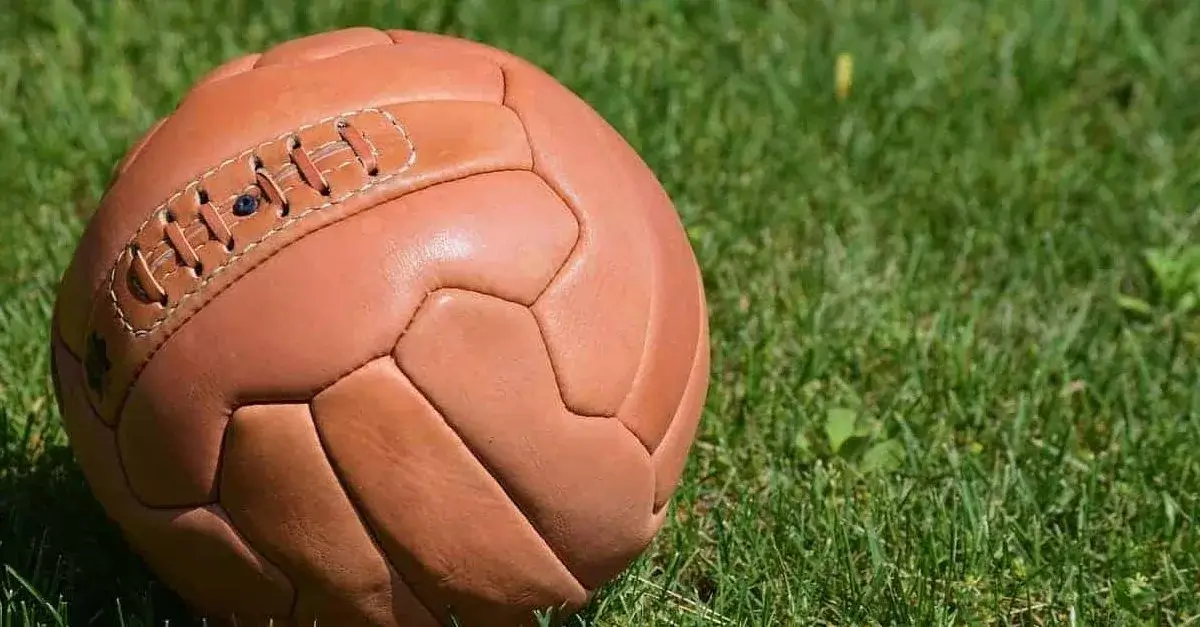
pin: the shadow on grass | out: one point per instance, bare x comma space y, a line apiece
62, 561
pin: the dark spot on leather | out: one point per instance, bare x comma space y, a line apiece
96, 363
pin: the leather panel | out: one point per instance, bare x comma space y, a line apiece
329, 303
323, 45
279, 487
394, 451
184, 546
484, 138
678, 324
132, 326
631, 237
232, 67
311, 91
671, 455
598, 308
585, 483
131, 155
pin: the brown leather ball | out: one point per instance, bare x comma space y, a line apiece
381, 327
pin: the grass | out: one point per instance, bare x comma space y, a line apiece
948, 387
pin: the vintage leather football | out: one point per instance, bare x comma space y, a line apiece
378, 328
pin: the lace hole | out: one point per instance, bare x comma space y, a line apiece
244, 205
202, 196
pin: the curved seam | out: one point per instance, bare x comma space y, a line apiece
571, 254
575, 247
198, 181
227, 519
165, 315
129, 484
363, 518
562, 397
300, 400
453, 288
524, 128
687, 387
295, 601
135, 376
100, 287
439, 411
137, 149
644, 361
394, 35
56, 337
113, 429
490, 472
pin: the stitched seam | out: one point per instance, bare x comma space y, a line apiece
374, 149
166, 313
482, 464
352, 162
490, 473
161, 341
701, 330
507, 105
363, 520
246, 153
226, 519
162, 249
575, 248
390, 354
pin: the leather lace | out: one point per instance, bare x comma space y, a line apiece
219, 228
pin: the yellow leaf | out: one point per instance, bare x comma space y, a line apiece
844, 75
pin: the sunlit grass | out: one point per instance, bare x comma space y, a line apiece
944, 257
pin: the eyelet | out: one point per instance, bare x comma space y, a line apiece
244, 205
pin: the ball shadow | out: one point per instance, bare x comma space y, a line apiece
61, 556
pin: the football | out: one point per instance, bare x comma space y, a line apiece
382, 328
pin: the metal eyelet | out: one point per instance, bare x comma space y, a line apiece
244, 205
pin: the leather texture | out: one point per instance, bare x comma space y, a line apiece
383, 328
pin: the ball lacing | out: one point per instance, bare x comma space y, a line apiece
245, 205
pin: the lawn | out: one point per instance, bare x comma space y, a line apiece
955, 375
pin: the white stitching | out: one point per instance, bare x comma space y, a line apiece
163, 247
246, 153
165, 315
352, 161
